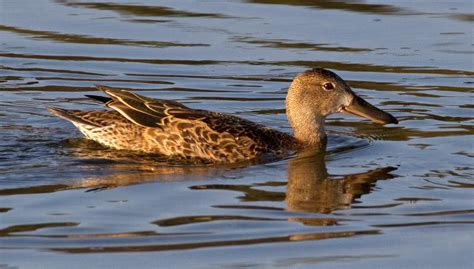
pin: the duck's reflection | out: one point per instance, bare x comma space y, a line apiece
309, 186
311, 189
110, 168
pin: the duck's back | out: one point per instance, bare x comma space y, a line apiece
169, 128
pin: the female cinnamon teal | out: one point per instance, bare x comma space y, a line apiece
172, 129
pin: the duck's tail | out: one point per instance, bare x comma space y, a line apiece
71, 115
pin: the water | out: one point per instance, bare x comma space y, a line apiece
394, 195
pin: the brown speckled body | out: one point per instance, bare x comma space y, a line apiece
206, 136
172, 129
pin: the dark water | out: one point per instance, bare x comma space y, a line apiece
398, 195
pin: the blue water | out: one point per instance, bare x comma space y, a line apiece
398, 196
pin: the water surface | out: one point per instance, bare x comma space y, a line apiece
399, 195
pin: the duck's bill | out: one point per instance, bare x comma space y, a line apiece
362, 108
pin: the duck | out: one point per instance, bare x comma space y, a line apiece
165, 127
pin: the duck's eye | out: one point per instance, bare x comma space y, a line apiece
328, 86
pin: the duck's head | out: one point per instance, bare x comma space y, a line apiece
317, 93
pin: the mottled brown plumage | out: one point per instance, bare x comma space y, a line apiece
170, 128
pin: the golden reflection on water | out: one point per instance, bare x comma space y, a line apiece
142, 10
217, 243
354, 6
83, 39
311, 189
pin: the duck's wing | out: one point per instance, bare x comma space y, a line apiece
156, 113
144, 111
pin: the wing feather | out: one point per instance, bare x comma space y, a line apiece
146, 111
136, 116
152, 112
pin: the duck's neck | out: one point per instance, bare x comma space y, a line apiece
308, 128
